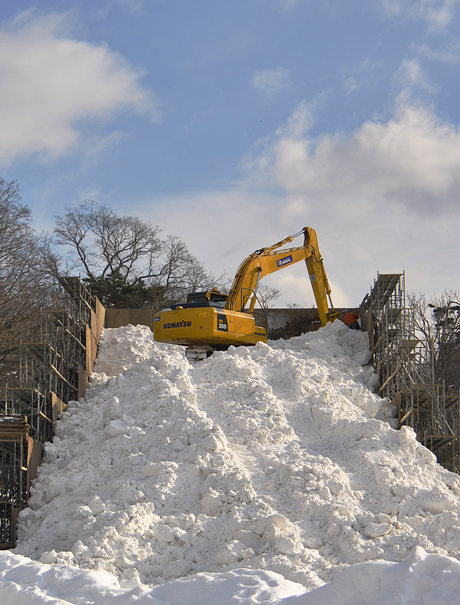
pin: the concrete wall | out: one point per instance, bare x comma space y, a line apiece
279, 323
286, 323
116, 318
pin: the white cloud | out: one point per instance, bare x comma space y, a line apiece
413, 159
362, 76
270, 81
449, 54
411, 71
301, 120
382, 199
356, 239
51, 82
350, 85
411, 77
438, 13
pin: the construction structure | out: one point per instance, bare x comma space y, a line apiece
406, 372
53, 371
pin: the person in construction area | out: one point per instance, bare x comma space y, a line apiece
350, 319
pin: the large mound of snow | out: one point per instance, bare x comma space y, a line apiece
421, 580
275, 459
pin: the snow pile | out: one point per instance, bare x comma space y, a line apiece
276, 459
421, 580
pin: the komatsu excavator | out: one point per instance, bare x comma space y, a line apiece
211, 321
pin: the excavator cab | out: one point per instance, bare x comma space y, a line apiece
211, 298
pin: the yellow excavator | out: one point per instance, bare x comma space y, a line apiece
211, 321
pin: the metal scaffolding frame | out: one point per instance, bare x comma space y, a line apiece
385, 312
14, 451
35, 407
13, 460
53, 371
406, 373
7, 524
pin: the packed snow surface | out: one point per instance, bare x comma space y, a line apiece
269, 474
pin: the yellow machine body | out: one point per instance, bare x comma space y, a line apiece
217, 328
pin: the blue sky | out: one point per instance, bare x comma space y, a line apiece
233, 124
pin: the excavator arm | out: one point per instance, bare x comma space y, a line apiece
243, 293
210, 320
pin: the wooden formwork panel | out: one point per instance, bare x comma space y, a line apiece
34, 459
82, 381
91, 350
88, 343
57, 406
93, 324
366, 319
97, 321
93, 353
100, 319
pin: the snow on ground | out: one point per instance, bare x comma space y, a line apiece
266, 474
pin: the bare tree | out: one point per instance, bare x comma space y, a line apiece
24, 281
438, 322
125, 259
106, 244
267, 295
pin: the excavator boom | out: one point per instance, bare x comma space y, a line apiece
268, 260
212, 325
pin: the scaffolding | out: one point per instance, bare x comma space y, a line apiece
34, 406
406, 373
14, 433
53, 371
15, 449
